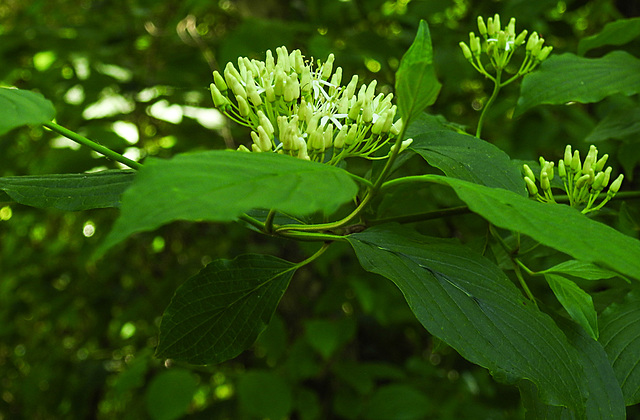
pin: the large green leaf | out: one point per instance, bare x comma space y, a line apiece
219, 312
555, 225
22, 107
566, 77
577, 303
614, 33
69, 192
470, 158
469, 303
416, 84
605, 396
220, 185
620, 337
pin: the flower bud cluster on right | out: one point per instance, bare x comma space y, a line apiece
302, 110
583, 182
499, 44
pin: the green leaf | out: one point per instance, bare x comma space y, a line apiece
170, 393
327, 336
555, 225
618, 124
22, 107
566, 77
620, 337
468, 302
219, 312
220, 185
582, 270
69, 192
397, 402
605, 396
576, 302
614, 33
466, 157
416, 84
264, 395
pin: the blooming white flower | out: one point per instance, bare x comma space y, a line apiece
297, 108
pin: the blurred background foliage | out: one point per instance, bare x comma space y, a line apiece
77, 337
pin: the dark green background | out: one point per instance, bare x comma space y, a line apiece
77, 336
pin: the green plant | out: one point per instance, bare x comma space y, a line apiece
461, 293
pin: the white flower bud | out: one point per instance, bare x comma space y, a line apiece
544, 53
328, 136
243, 106
482, 28
511, 28
528, 173
283, 59
266, 123
567, 155
371, 90
396, 127
355, 110
327, 67
615, 185
520, 38
280, 81
219, 81
218, 99
601, 162
562, 171
291, 88
576, 164
351, 135
531, 186
351, 87
341, 137
265, 142
466, 51
367, 111
270, 93
252, 94
270, 64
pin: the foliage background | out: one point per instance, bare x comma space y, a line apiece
77, 337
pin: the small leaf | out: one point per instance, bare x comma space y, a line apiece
327, 336
582, 270
469, 303
22, 107
566, 77
170, 393
69, 192
220, 185
620, 337
416, 84
397, 402
614, 33
466, 157
219, 312
576, 302
264, 395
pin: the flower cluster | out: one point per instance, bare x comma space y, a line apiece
500, 44
299, 109
583, 182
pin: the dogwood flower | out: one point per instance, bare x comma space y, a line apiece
300, 108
